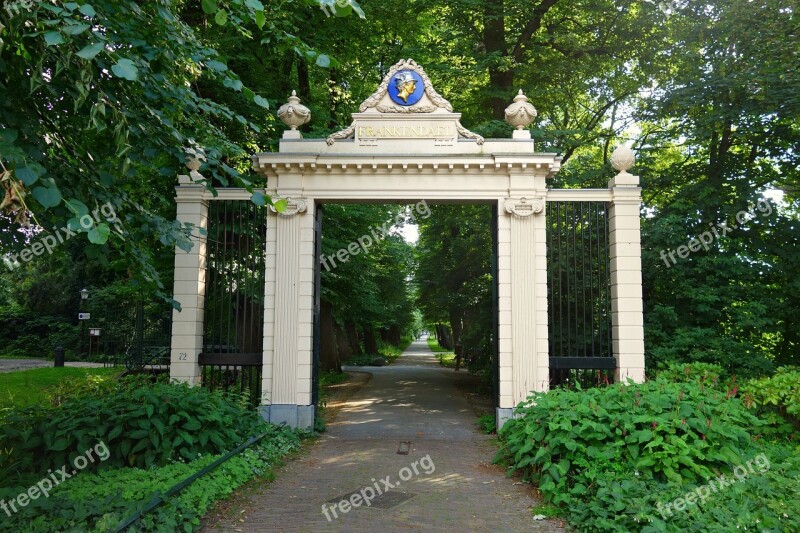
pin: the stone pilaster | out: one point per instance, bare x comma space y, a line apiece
627, 318
189, 286
289, 315
522, 277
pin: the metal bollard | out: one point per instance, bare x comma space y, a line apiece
59, 362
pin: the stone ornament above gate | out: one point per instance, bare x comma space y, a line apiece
405, 107
523, 207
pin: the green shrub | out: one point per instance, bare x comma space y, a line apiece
777, 400
708, 373
141, 426
616, 456
765, 501
487, 423
100, 501
672, 431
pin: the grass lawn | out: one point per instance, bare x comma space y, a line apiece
31, 387
447, 358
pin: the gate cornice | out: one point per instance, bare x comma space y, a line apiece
273, 164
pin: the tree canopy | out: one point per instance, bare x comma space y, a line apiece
101, 99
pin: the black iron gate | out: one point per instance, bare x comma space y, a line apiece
579, 299
233, 332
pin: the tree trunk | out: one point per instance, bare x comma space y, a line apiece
343, 344
370, 342
501, 81
352, 338
456, 324
303, 84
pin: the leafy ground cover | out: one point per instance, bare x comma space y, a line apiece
685, 451
146, 437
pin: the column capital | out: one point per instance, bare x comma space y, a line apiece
294, 206
524, 207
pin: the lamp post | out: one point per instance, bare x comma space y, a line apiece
84, 296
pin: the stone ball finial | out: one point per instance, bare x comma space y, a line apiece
623, 158
293, 113
195, 156
521, 113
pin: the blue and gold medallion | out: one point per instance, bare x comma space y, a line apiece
406, 88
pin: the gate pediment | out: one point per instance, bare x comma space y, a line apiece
404, 108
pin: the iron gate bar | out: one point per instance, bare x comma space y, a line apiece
235, 359
585, 363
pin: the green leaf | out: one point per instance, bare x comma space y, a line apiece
125, 69
27, 175
258, 100
53, 38
114, 433
8, 136
259, 199
99, 234
357, 8
89, 51
260, 19
323, 61
209, 7
233, 83
60, 445
107, 179
221, 17
75, 29
254, 4
217, 66
281, 205
77, 207
47, 196
192, 425
87, 10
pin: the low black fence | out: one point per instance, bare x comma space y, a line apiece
131, 333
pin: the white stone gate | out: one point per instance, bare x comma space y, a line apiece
406, 145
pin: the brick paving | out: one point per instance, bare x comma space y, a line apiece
455, 489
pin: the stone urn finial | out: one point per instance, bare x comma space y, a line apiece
520, 114
195, 156
294, 114
623, 159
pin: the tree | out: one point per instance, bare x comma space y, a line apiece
101, 101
